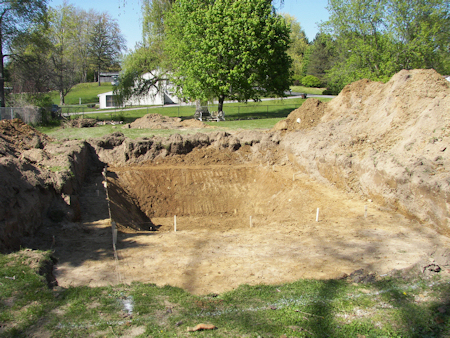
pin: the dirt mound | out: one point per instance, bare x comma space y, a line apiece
80, 123
117, 150
305, 117
157, 121
16, 136
39, 180
386, 142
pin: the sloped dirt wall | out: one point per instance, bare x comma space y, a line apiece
40, 180
387, 142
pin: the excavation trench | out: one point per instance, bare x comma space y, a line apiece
217, 247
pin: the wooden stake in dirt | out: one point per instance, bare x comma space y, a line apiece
114, 234
317, 215
251, 222
365, 211
175, 223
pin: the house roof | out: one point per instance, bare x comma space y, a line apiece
107, 93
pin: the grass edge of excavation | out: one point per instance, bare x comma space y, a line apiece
389, 307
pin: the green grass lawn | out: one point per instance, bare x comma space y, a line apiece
86, 91
390, 307
307, 90
253, 115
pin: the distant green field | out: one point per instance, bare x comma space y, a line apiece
307, 90
86, 91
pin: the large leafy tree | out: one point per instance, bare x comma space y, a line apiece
85, 24
15, 17
298, 48
149, 55
106, 43
29, 67
62, 55
320, 57
375, 39
233, 49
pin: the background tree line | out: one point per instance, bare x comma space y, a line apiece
56, 48
376, 39
361, 39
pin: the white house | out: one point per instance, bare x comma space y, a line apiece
166, 95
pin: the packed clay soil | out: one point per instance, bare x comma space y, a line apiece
372, 164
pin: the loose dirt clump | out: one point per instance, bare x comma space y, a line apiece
157, 121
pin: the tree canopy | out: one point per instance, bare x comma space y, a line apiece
231, 49
105, 43
376, 39
15, 18
298, 48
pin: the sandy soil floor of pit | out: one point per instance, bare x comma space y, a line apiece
219, 252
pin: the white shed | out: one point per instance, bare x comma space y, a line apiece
166, 95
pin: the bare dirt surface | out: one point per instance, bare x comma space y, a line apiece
216, 247
246, 202
157, 121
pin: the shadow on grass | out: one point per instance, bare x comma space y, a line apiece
415, 315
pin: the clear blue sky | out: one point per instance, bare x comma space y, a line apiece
128, 14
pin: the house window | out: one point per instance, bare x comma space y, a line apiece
110, 101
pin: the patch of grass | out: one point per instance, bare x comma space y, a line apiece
86, 91
307, 90
254, 115
391, 307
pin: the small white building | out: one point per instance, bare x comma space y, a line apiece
166, 95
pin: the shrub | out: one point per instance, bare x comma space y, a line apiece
311, 81
330, 92
297, 80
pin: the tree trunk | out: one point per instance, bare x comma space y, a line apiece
61, 98
2, 79
221, 99
99, 84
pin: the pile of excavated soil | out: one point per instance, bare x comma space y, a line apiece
16, 136
39, 181
80, 123
387, 142
305, 117
157, 121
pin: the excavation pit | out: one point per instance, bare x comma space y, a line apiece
216, 246
371, 142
